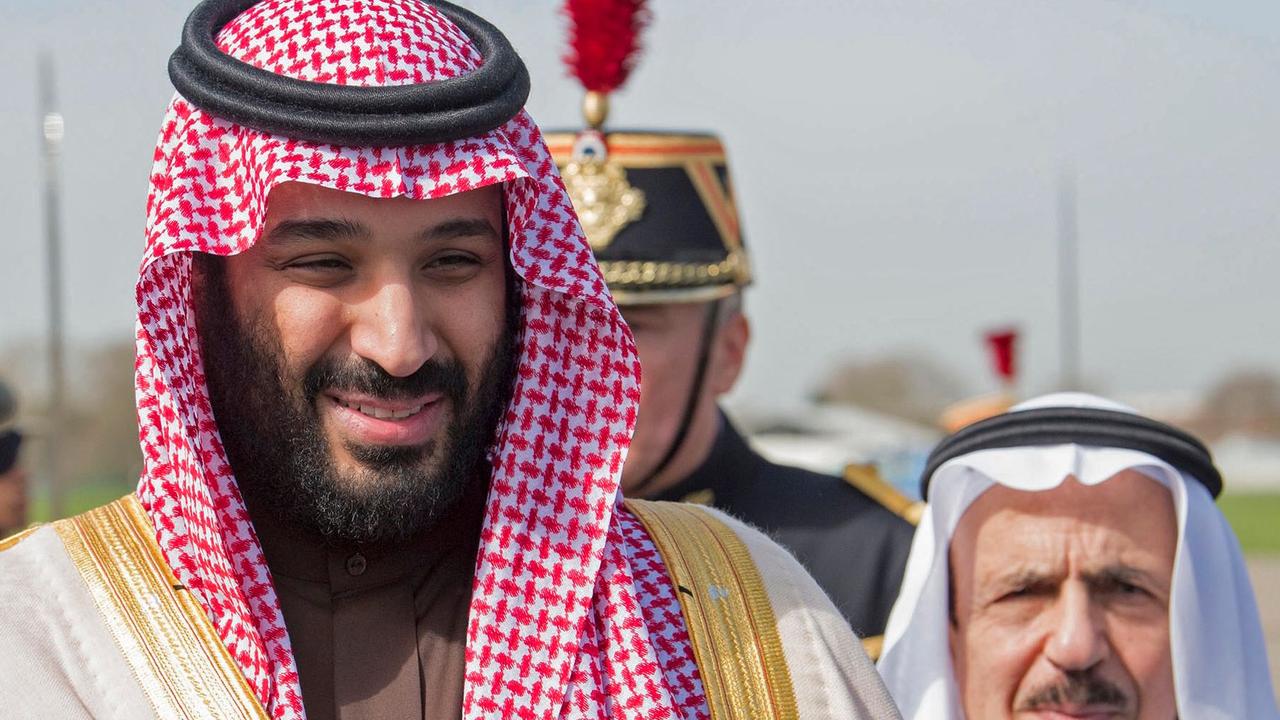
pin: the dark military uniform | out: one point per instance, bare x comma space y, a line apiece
10, 438
658, 210
854, 547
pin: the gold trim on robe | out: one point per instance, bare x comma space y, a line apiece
174, 651
726, 609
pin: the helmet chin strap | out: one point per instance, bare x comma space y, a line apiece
691, 405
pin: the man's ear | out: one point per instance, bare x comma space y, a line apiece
729, 353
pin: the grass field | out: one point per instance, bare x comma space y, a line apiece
81, 497
1254, 516
1256, 520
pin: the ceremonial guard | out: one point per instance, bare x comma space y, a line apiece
658, 210
13, 477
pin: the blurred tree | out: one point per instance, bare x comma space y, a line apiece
108, 420
909, 386
1246, 402
100, 452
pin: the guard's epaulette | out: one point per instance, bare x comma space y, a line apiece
705, 496
866, 478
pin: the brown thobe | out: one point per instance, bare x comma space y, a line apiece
377, 632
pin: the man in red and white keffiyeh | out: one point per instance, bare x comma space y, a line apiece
384, 400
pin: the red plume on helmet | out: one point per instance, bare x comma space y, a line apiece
604, 41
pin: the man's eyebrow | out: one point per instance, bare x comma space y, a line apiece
1025, 578
324, 230
1117, 574
332, 230
459, 228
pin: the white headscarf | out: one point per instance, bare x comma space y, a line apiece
1219, 659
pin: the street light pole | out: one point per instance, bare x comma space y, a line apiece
51, 126
1068, 284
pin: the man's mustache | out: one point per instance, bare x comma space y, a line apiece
363, 376
1078, 688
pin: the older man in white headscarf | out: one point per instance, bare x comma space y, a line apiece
1072, 564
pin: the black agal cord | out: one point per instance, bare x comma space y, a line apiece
1079, 426
346, 114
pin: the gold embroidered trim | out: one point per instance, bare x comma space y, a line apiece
731, 270
655, 296
726, 609
172, 648
603, 199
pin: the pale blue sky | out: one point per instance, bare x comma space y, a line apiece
895, 162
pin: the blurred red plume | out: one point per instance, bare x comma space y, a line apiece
1003, 345
604, 40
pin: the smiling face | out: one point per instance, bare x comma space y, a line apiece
358, 356
1061, 601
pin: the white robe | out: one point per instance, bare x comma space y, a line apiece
62, 654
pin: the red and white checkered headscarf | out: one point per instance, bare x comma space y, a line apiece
572, 614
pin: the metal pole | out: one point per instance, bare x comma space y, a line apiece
52, 129
1068, 283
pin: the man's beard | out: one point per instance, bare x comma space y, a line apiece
269, 422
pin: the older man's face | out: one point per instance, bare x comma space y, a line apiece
1061, 601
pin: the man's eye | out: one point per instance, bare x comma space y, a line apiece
453, 263
1127, 589
320, 264
1016, 593
1027, 591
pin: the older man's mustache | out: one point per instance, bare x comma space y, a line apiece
1081, 688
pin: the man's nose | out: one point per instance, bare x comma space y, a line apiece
1080, 639
392, 330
